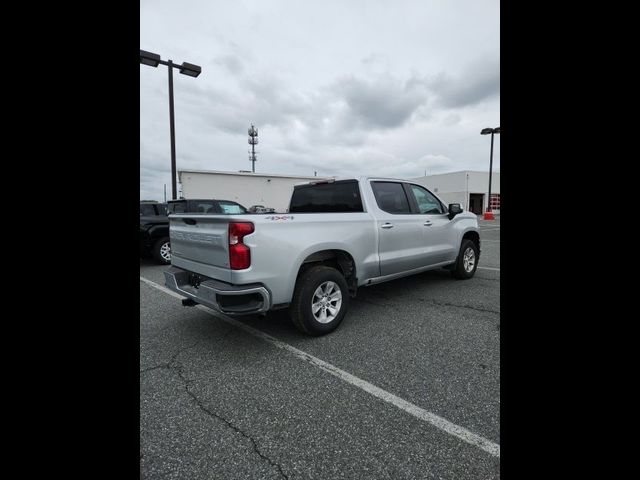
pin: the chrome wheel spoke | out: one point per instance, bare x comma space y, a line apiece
165, 251
469, 259
326, 302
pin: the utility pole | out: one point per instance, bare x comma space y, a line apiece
253, 141
165, 193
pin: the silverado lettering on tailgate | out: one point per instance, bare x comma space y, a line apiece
208, 238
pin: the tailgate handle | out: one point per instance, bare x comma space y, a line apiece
190, 221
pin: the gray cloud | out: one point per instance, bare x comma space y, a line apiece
327, 91
230, 62
478, 82
382, 102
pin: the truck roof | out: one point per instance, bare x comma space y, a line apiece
362, 178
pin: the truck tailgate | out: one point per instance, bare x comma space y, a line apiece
199, 243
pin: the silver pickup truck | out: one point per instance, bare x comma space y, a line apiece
337, 235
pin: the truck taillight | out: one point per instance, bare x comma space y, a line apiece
239, 253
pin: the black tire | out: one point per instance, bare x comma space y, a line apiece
159, 254
459, 271
301, 310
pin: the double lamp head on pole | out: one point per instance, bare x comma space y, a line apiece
488, 215
188, 69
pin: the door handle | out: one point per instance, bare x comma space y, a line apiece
387, 225
427, 223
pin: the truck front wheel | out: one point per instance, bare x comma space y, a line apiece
320, 300
467, 262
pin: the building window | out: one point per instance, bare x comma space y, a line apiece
495, 201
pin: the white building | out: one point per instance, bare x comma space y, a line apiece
468, 188
246, 188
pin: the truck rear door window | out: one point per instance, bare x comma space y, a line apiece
341, 196
391, 197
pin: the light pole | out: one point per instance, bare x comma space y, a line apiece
488, 215
189, 69
467, 191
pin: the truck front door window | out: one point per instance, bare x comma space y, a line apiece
427, 203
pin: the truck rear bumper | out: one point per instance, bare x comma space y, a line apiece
220, 296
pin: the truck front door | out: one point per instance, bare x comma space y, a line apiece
439, 236
400, 241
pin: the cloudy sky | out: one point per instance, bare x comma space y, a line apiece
338, 87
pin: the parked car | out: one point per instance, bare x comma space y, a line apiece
336, 237
226, 207
154, 232
261, 209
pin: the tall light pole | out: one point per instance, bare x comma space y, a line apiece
488, 215
467, 191
188, 69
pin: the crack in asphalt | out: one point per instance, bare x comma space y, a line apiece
174, 365
202, 407
155, 367
168, 365
434, 302
487, 279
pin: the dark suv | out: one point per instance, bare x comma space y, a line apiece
154, 232
154, 222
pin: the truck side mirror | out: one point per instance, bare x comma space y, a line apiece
454, 209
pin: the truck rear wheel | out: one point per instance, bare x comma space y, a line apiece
162, 251
320, 300
467, 262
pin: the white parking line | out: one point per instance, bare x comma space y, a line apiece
490, 268
419, 413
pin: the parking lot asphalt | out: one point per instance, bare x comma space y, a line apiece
218, 402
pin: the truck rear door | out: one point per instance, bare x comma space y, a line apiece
200, 243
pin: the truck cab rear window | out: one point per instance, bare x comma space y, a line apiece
340, 196
231, 208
